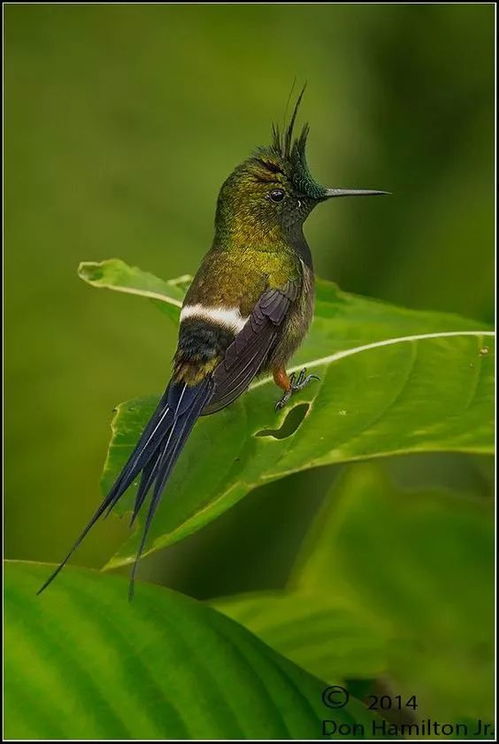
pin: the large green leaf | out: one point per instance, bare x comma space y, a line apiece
319, 630
421, 564
427, 394
392, 381
83, 663
390, 583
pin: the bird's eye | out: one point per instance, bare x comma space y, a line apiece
277, 195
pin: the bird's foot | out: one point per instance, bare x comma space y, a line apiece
302, 380
297, 383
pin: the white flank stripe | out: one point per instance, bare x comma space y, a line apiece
230, 317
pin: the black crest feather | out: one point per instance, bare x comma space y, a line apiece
287, 154
282, 143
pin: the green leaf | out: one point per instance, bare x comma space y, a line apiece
84, 663
390, 584
420, 566
318, 630
116, 274
392, 381
413, 395
344, 321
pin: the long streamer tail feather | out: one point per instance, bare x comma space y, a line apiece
168, 454
146, 480
153, 457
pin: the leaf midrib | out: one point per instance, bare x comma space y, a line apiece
375, 345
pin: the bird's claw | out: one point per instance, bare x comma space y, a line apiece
302, 380
297, 383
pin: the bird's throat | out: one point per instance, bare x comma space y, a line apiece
248, 232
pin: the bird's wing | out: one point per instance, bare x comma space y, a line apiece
245, 356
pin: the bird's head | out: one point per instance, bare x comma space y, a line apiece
272, 193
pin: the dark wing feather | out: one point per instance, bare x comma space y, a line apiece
246, 354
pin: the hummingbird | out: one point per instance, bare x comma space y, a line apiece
245, 313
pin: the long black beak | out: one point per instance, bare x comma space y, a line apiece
352, 192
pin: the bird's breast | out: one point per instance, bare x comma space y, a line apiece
297, 323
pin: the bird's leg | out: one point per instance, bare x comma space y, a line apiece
290, 384
282, 380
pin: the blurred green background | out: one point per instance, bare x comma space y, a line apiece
121, 124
